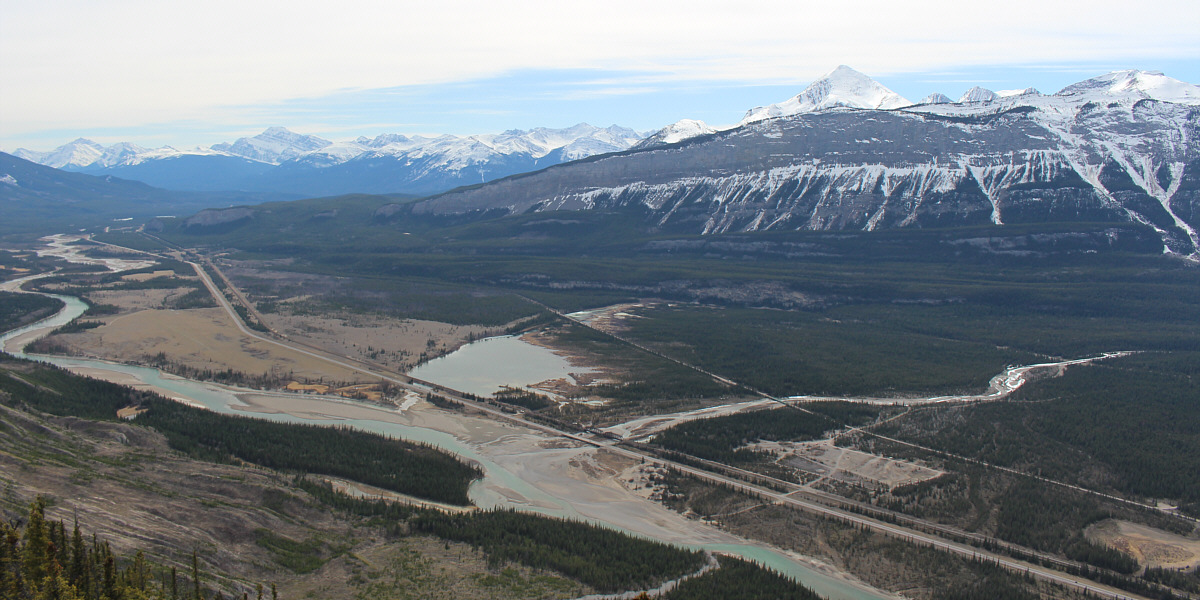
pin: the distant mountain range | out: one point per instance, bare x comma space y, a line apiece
281, 161
37, 200
849, 154
846, 153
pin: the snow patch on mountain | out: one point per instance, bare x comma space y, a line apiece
78, 153
936, 98
165, 152
683, 129
120, 153
455, 153
1144, 84
1029, 91
275, 145
841, 88
978, 94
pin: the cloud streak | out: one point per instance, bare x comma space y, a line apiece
79, 63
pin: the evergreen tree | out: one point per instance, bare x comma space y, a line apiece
10, 562
55, 586
109, 589
37, 545
62, 545
77, 568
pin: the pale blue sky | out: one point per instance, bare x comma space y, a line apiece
154, 73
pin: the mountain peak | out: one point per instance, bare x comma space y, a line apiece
936, 98
683, 129
978, 94
1145, 84
842, 87
275, 145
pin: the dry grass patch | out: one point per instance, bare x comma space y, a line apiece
201, 339
1152, 547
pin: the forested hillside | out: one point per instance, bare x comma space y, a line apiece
388, 463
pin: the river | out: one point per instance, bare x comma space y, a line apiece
522, 470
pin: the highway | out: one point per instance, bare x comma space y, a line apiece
783, 498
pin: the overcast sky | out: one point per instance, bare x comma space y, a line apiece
158, 72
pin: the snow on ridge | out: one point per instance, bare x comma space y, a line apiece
842, 87
457, 152
275, 145
683, 129
1144, 84
936, 98
278, 145
1029, 91
978, 94
80, 152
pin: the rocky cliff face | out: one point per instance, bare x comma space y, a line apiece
1028, 159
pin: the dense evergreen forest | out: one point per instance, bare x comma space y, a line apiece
785, 312
392, 464
17, 310
1131, 424
721, 438
789, 352
742, 580
602, 558
39, 560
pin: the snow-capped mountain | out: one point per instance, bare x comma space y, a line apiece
683, 129
936, 98
279, 160
78, 153
274, 146
842, 87
1029, 91
978, 94
36, 198
1119, 148
1145, 84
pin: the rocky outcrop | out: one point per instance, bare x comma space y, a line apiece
1057, 161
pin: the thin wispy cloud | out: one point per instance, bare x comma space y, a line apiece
84, 65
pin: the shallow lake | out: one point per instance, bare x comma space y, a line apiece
503, 361
485, 367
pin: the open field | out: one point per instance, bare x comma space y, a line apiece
1151, 547
860, 469
202, 339
395, 344
135, 300
948, 334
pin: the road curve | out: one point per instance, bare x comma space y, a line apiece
782, 498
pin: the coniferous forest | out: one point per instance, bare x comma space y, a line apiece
405, 467
40, 560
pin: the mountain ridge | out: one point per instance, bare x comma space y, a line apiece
281, 161
1104, 152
